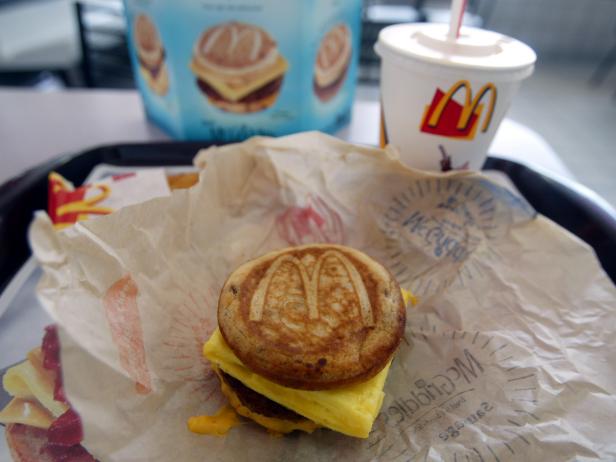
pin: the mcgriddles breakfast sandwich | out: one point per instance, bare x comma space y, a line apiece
305, 339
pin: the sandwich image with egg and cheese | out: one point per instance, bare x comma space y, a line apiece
332, 62
305, 339
151, 55
238, 67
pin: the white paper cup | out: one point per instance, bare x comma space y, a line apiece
443, 100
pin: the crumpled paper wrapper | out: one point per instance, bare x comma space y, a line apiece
508, 356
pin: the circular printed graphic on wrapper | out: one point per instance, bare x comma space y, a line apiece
453, 395
444, 225
463, 395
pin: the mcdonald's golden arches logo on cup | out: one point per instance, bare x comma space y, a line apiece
444, 116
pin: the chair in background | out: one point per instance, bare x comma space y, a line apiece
105, 60
439, 12
38, 43
605, 66
376, 16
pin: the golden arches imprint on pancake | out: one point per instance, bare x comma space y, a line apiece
311, 286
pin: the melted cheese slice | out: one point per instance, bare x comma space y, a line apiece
232, 90
408, 296
26, 412
216, 425
350, 410
30, 381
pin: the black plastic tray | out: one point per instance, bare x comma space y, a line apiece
569, 204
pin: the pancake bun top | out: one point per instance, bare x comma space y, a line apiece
312, 317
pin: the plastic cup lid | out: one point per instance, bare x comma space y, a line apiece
474, 49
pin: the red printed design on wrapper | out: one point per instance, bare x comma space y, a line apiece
315, 222
192, 323
67, 205
123, 176
444, 116
120, 303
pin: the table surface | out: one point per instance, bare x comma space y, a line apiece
36, 126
